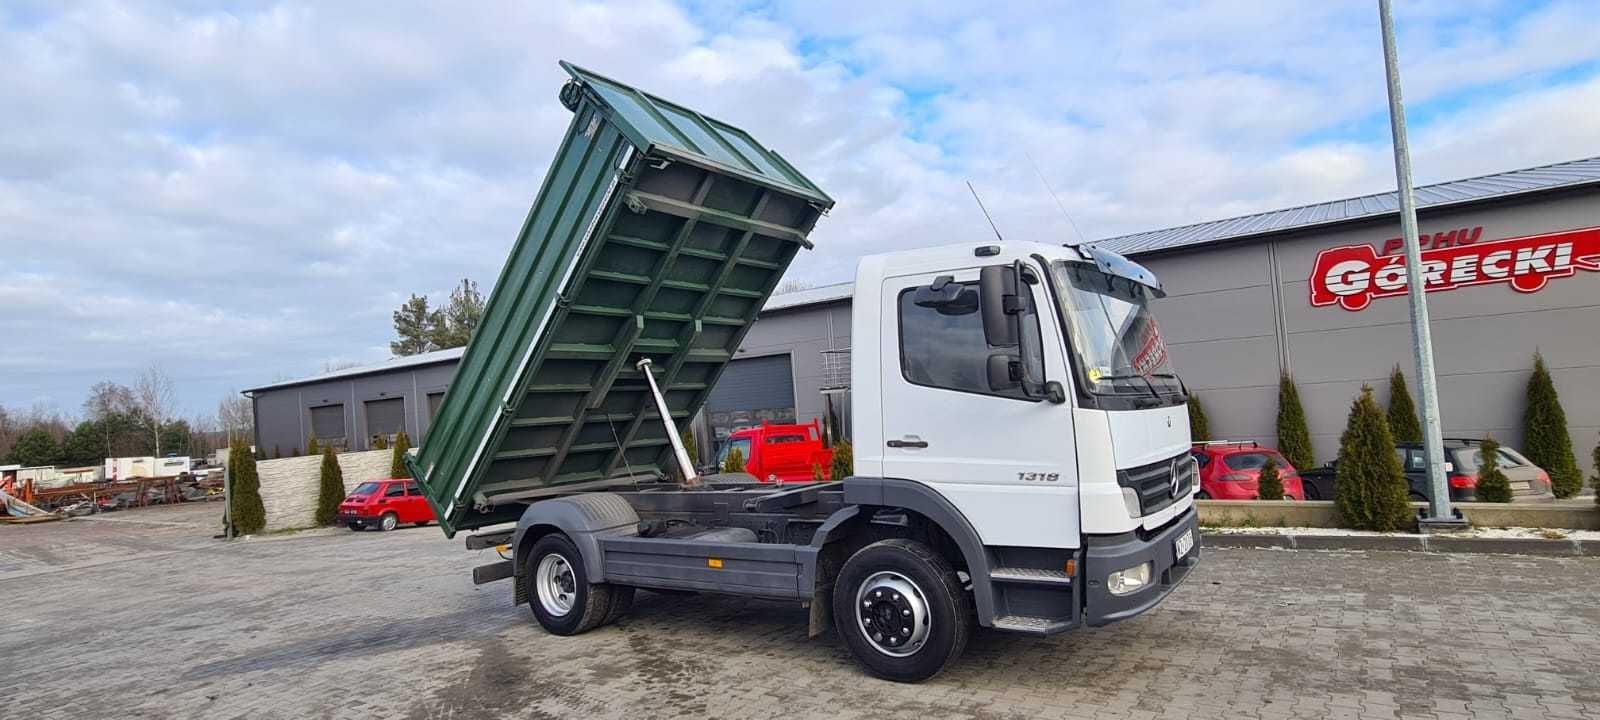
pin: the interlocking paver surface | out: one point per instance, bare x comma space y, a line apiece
142, 614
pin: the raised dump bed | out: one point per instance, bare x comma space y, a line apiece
658, 233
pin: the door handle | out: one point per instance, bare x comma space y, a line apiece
907, 443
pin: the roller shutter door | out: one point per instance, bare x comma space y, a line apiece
386, 417
750, 391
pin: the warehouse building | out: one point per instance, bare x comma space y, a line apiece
1314, 291
789, 369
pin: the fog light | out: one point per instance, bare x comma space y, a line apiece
1130, 580
1130, 499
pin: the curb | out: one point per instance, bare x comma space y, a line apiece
1407, 543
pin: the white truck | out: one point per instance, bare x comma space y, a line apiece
1021, 439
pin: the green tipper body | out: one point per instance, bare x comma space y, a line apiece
658, 233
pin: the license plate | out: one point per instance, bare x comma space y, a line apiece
1184, 543
1523, 485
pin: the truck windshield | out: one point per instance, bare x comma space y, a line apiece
1114, 335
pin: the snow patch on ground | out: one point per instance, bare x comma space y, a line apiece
1486, 532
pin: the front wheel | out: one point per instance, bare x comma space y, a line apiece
901, 610
562, 599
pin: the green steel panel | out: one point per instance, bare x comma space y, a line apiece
657, 233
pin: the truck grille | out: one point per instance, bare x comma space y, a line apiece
1154, 482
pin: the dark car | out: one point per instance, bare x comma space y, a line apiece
1463, 458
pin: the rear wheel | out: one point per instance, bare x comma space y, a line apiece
901, 610
389, 522
562, 599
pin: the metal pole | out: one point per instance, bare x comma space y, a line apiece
684, 463
1421, 337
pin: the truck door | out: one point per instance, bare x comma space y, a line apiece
1005, 460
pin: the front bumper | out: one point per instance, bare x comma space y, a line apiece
1107, 554
347, 518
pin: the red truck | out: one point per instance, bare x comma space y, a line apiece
780, 453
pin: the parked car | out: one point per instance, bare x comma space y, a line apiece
1462, 456
1230, 470
780, 453
384, 504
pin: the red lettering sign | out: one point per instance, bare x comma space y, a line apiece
1352, 275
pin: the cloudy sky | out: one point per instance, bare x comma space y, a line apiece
242, 192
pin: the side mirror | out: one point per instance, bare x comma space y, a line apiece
997, 293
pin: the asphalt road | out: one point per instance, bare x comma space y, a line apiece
142, 614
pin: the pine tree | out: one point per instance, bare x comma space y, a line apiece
330, 492
1370, 490
1199, 425
380, 442
734, 463
1294, 438
397, 464
844, 461
312, 448
1544, 433
1402, 412
1493, 485
1269, 484
249, 515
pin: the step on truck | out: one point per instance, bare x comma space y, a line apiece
1021, 439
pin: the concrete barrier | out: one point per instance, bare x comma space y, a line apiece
1568, 515
289, 485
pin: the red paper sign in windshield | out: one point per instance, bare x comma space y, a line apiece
1152, 352
1352, 275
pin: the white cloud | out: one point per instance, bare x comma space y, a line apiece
244, 192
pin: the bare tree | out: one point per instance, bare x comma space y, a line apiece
789, 286
156, 397
107, 400
237, 416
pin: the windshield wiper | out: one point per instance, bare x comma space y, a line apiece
1146, 380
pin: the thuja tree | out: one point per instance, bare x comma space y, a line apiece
692, 449
734, 463
1370, 490
330, 491
1269, 484
312, 448
1544, 433
1402, 412
1595, 481
1199, 425
1493, 485
844, 461
1294, 438
397, 460
249, 515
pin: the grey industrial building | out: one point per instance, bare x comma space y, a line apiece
1313, 291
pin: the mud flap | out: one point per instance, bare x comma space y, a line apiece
821, 612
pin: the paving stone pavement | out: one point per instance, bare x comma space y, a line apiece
142, 615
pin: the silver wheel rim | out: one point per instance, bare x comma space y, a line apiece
556, 585
893, 614
389, 522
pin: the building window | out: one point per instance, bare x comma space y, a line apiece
386, 417
327, 424
434, 399
945, 347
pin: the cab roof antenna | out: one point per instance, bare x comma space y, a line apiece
985, 212
1055, 197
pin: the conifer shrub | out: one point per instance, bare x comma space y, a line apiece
816, 473
734, 463
397, 461
249, 515
1294, 438
312, 447
1544, 433
1493, 485
1403, 420
330, 490
1269, 484
1370, 491
1199, 425
844, 461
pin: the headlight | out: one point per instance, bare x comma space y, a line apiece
1130, 498
1123, 582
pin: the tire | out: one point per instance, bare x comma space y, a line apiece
894, 579
1310, 491
621, 603
357, 527
388, 522
1415, 496
1202, 495
559, 592
423, 523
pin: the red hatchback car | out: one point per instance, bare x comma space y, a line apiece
384, 504
1228, 471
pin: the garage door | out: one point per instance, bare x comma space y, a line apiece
749, 392
386, 417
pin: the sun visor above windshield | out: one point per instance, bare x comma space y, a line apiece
1116, 265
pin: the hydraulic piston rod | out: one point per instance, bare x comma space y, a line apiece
685, 464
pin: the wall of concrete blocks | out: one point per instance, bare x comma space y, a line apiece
289, 485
